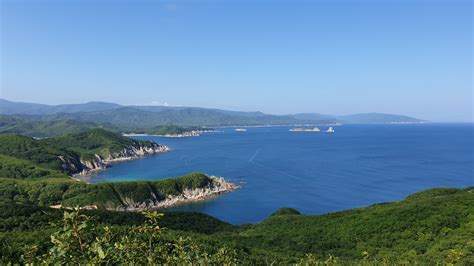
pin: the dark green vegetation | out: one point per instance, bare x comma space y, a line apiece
97, 238
66, 154
115, 196
434, 226
170, 130
36, 172
430, 227
34, 175
34, 126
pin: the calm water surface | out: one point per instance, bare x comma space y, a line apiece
357, 166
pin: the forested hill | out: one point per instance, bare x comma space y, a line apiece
130, 116
38, 172
74, 153
427, 228
142, 116
152, 116
35, 126
430, 227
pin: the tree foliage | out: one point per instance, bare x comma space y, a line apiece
79, 240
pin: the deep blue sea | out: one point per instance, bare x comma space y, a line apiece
357, 166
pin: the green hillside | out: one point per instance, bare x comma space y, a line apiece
11, 167
171, 129
137, 118
36, 172
39, 127
33, 126
430, 227
40, 153
96, 141
66, 152
426, 227
142, 116
47, 191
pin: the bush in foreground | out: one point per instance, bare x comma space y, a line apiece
80, 240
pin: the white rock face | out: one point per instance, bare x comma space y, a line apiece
182, 135
135, 153
99, 163
218, 186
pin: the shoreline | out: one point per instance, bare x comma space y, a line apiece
188, 134
217, 187
188, 196
99, 164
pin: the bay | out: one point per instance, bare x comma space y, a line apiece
313, 172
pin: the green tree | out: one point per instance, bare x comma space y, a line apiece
80, 240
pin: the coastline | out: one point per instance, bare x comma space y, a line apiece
99, 163
187, 134
292, 125
216, 187
219, 186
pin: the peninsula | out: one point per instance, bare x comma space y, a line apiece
50, 172
172, 131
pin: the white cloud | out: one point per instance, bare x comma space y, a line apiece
154, 103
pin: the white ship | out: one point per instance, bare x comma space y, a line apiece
240, 129
330, 130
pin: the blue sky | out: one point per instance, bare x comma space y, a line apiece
338, 57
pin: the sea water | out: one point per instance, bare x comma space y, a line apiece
313, 172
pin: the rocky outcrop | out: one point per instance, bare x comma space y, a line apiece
182, 135
135, 153
216, 187
100, 163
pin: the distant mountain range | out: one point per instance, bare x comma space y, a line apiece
8, 108
358, 118
151, 116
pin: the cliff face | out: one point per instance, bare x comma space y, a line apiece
98, 162
136, 152
217, 186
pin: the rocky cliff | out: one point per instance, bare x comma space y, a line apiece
98, 162
216, 187
144, 195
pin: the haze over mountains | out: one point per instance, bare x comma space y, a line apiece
146, 116
358, 118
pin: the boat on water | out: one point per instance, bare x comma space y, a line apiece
240, 129
305, 129
330, 130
